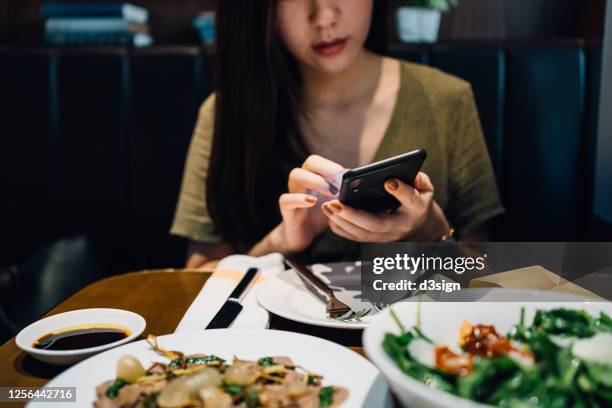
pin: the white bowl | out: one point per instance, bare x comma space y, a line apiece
29, 335
441, 321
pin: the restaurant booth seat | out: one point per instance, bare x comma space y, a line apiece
93, 141
52, 273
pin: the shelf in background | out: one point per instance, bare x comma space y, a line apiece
21, 22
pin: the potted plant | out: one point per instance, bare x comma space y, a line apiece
419, 20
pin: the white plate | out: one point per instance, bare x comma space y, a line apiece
441, 321
339, 365
285, 295
100, 316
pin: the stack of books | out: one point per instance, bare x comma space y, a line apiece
96, 24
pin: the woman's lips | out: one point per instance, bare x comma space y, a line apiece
330, 48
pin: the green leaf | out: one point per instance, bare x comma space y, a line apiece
395, 346
203, 360
405, 339
397, 320
586, 384
606, 395
600, 373
518, 384
566, 322
603, 323
266, 361
484, 380
567, 366
326, 396
176, 363
113, 390
233, 389
420, 334
433, 379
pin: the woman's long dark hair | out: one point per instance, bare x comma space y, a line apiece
257, 139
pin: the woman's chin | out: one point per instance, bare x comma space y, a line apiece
332, 65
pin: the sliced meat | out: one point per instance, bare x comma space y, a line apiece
340, 396
129, 395
282, 360
309, 400
101, 389
157, 369
103, 401
273, 396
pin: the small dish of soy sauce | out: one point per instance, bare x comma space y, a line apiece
81, 337
68, 337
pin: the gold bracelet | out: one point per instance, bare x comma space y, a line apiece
448, 235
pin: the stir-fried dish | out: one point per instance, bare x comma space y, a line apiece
208, 381
562, 359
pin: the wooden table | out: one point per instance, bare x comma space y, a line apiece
161, 297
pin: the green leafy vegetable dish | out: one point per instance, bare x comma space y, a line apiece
563, 358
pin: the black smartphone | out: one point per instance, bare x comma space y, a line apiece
364, 187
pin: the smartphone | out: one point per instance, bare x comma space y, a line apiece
364, 187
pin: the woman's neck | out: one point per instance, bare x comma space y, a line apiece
343, 89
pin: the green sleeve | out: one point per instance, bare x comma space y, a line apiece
473, 197
191, 219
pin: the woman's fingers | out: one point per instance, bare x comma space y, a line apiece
332, 213
292, 201
329, 170
301, 180
363, 219
341, 232
407, 195
423, 183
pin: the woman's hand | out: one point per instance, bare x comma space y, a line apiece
312, 184
419, 217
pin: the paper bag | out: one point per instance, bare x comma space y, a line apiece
533, 278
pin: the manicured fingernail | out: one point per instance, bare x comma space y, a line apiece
335, 207
326, 210
392, 184
311, 200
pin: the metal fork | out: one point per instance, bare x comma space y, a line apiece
379, 306
351, 315
335, 309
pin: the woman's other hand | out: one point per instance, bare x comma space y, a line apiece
419, 217
314, 183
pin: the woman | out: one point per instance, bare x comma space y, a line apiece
300, 100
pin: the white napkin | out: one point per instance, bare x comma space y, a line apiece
218, 287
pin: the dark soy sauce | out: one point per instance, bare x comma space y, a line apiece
80, 338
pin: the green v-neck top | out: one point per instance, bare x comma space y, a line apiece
433, 111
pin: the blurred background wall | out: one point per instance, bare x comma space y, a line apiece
603, 187
22, 23
516, 19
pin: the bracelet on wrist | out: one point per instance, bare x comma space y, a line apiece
450, 234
